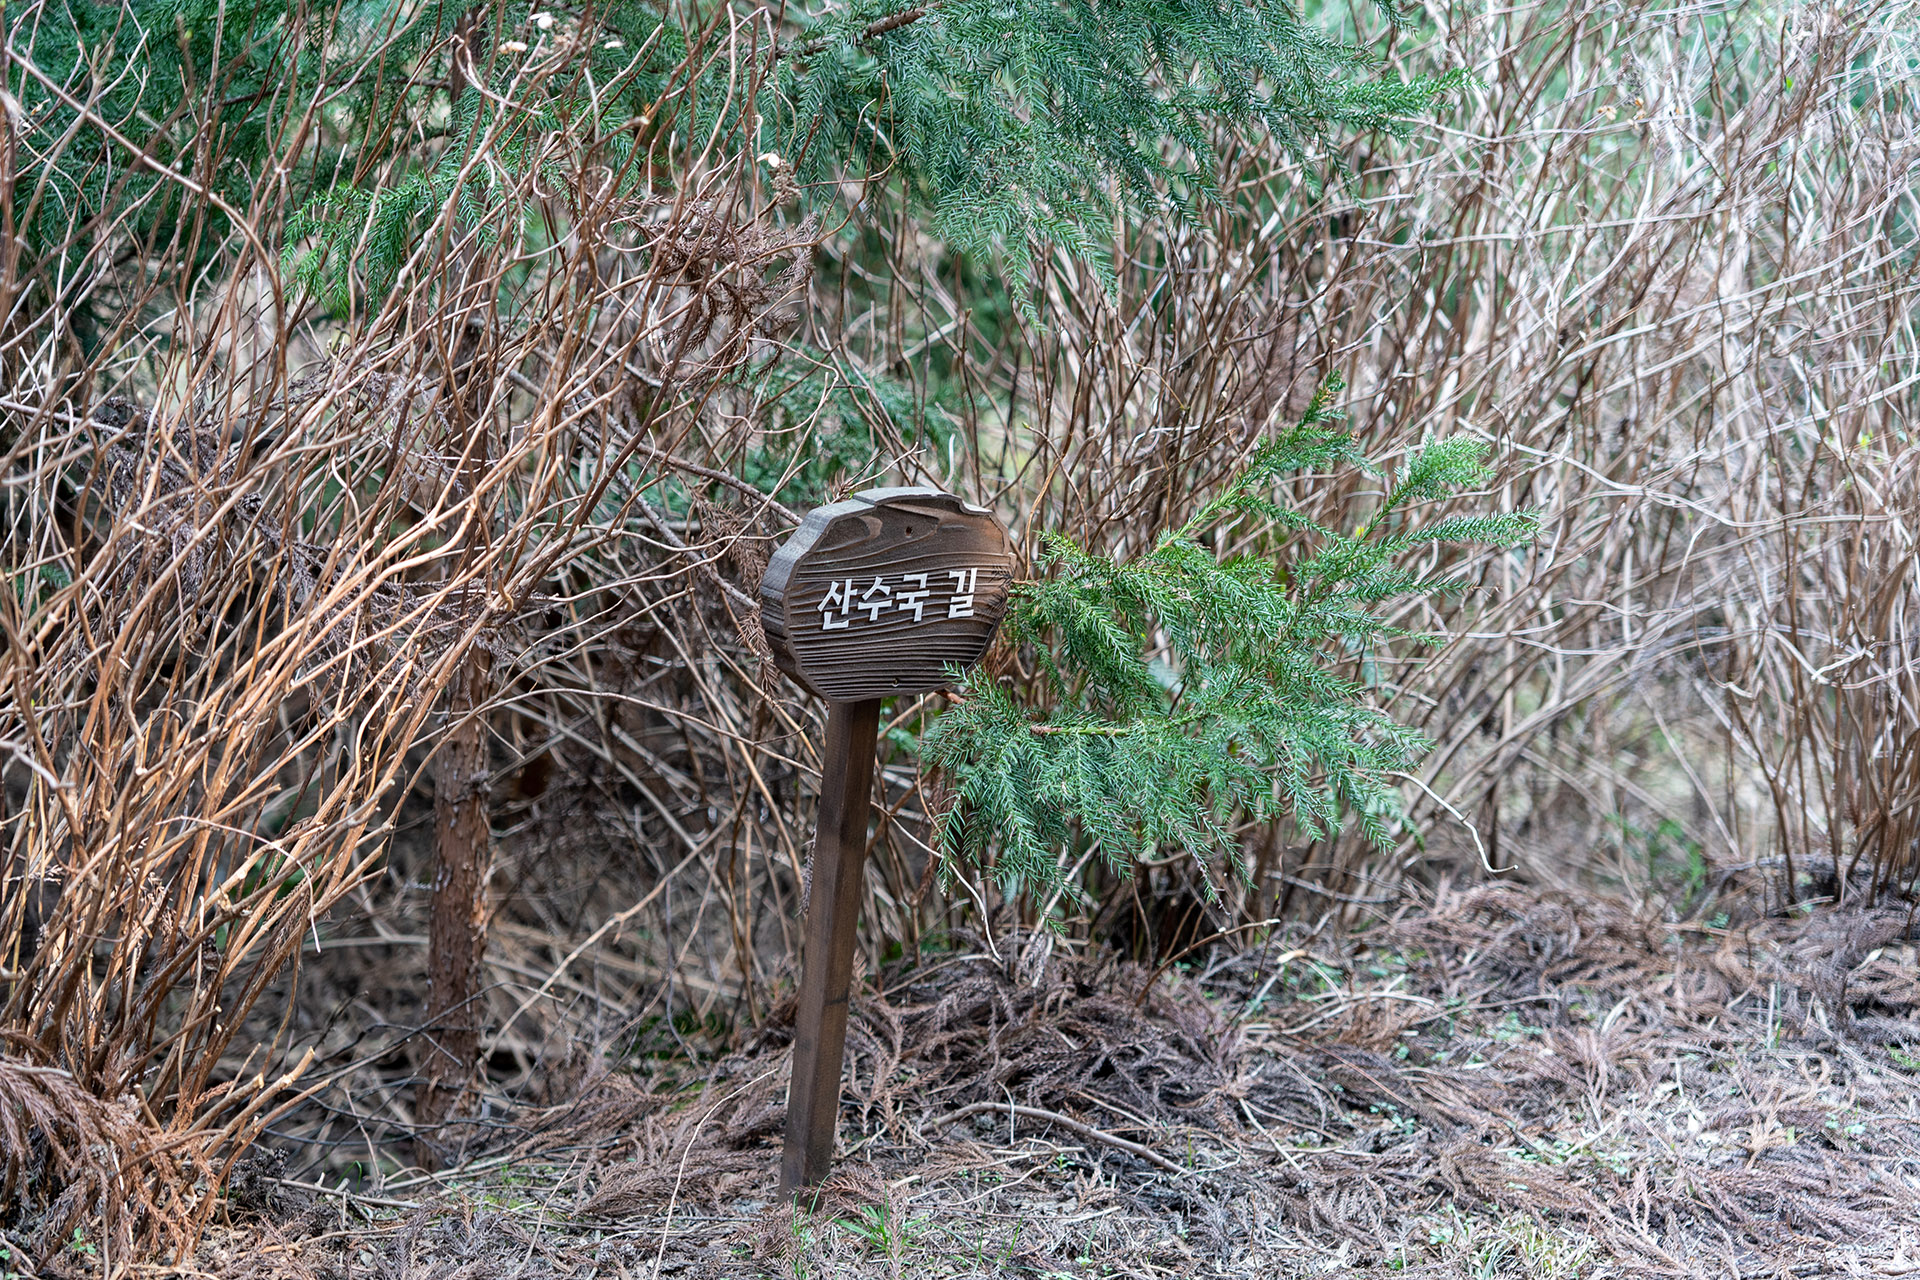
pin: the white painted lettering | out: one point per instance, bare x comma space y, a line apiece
839, 598
875, 600
915, 599
965, 583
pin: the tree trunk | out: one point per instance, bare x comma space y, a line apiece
457, 934
462, 794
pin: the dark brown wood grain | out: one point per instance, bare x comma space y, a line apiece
833, 911
889, 592
885, 592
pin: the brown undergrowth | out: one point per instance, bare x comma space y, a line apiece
1503, 1083
1672, 282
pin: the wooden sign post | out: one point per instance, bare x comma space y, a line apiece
886, 593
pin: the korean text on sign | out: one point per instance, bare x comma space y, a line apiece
919, 594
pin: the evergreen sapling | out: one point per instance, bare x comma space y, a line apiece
1179, 694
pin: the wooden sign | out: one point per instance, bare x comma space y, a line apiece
876, 595
886, 593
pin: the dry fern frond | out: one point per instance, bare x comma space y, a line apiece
69, 1159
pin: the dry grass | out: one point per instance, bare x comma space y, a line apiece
1508, 1083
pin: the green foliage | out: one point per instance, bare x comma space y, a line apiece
1676, 864
882, 1230
1017, 120
1006, 122
844, 410
208, 94
189, 83
1184, 692
1010, 121
350, 243
352, 240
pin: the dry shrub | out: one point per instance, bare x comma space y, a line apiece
253, 543
1661, 258
1676, 294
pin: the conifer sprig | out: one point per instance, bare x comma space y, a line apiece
1011, 122
1188, 693
1017, 121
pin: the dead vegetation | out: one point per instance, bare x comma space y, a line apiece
1504, 1083
1661, 256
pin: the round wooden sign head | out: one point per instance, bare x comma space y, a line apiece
882, 593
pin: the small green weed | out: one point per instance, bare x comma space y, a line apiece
883, 1231
1510, 1029
1676, 864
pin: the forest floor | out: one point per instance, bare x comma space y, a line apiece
1506, 1083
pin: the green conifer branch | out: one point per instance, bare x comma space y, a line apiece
1181, 694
